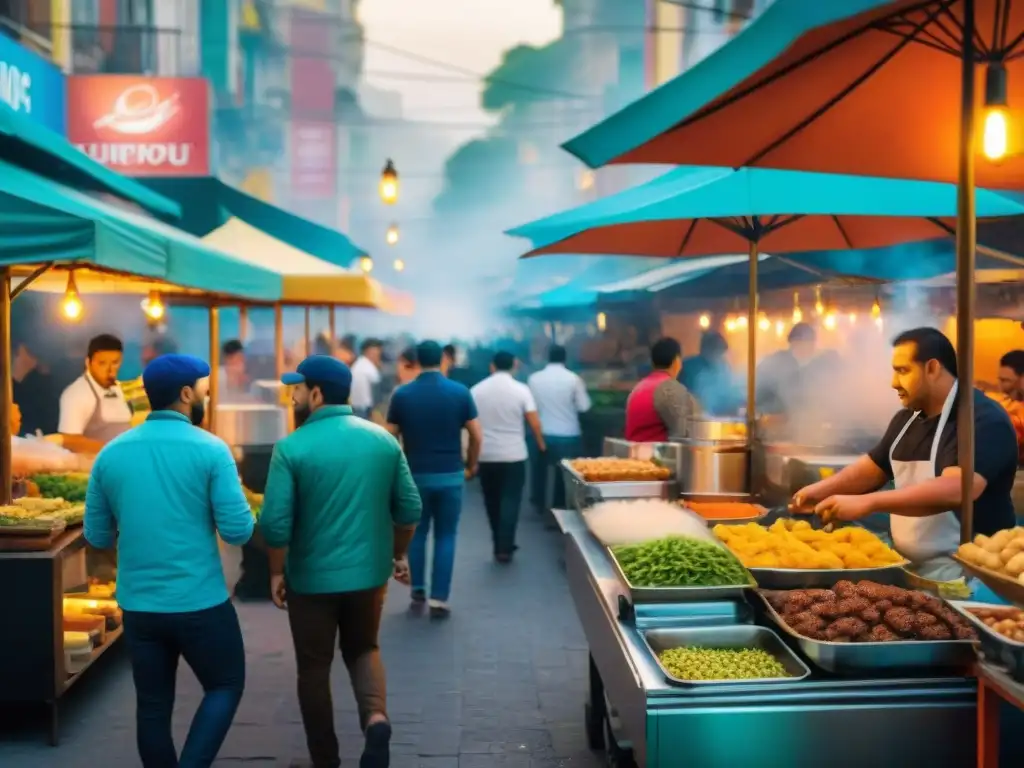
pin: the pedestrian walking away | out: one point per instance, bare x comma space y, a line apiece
505, 406
339, 511
366, 377
561, 397
429, 414
162, 492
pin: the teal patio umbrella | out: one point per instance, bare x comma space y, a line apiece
707, 211
877, 87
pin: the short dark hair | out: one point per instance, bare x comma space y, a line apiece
105, 342
1015, 360
332, 395
504, 361
664, 352
449, 351
409, 356
929, 344
802, 332
713, 343
371, 344
429, 354
323, 344
232, 347
164, 345
557, 354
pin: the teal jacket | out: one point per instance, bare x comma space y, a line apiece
337, 487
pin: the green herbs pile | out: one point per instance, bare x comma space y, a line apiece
679, 561
70, 486
721, 664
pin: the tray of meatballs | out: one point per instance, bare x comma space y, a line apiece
864, 625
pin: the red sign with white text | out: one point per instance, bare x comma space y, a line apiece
142, 126
313, 134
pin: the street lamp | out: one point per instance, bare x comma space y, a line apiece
366, 264
389, 183
399, 265
391, 236
994, 137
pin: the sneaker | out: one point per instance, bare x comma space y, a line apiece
377, 752
439, 609
419, 595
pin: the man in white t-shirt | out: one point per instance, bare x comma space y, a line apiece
504, 406
561, 397
93, 409
366, 378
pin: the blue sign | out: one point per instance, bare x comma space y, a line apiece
32, 86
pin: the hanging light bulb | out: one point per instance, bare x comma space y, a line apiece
852, 317
391, 236
71, 305
366, 264
829, 321
780, 328
730, 325
764, 323
602, 321
704, 321
994, 135
399, 265
153, 306
741, 321
389, 183
876, 309
798, 315
819, 305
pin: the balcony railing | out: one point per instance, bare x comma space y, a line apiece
130, 49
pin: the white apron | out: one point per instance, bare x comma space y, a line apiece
928, 542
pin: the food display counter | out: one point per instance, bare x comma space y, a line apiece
640, 717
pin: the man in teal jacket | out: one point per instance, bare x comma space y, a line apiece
341, 500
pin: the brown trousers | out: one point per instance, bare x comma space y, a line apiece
317, 621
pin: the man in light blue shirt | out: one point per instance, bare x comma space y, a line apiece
161, 493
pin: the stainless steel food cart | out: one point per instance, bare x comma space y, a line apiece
892, 718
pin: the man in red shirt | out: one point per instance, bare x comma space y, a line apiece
659, 405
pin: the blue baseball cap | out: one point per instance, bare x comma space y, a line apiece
330, 374
164, 378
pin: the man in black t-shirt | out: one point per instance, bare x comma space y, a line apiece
919, 454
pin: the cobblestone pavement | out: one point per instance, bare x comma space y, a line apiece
499, 685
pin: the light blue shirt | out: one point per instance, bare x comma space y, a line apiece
162, 492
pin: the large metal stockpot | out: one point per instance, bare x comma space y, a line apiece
714, 467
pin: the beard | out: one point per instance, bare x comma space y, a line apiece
301, 413
198, 413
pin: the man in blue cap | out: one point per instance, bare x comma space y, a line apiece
341, 500
161, 493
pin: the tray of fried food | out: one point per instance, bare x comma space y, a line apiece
1001, 631
870, 626
791, 554
609, 469
997, 561
16, 520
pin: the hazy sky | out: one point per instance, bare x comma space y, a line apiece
470, 35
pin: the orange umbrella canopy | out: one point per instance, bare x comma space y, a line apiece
866, 87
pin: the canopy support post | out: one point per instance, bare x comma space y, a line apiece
243, 321
278, 341
332, 324
965, 260
752, 344
24, 284
211, 417
6, 387
306, 333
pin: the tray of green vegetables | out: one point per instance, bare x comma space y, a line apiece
70, 486
678, 569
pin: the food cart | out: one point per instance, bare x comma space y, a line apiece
841, 704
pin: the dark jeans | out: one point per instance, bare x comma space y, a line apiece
210, 641
441, 508
502, 486
317, 621
558, 448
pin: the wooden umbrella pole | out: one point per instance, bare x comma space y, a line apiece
965, 260
243, 321
752, 343
332, 324
7, 396
306, 335
278, 341
211, 416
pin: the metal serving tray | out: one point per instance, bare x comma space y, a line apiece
760, 511
811, 578
731, 636
995, 648
862, 657
581, 494
678, 594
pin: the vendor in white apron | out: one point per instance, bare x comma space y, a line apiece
919, 455
93, 408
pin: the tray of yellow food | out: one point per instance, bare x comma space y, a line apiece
997, 561
588, 481
790, 554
